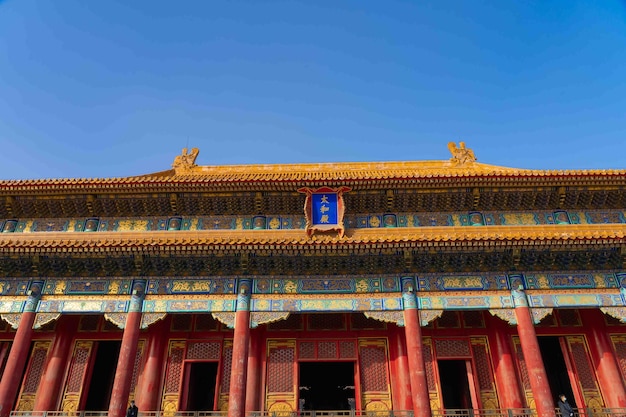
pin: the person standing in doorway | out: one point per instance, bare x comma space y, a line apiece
132, 410
566, 409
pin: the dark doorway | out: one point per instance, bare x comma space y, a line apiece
326, 385
554, 362
201, 386
102, 376
455, 388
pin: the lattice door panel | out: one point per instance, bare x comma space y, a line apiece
281, 376
585, 378
76, 376
227, 363
34, 371
619, 343
136, 367
484, 371
523, 371
429, 363
173, 376
374, 375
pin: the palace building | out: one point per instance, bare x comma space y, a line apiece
416, 287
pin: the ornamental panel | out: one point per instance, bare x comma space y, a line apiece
227, 362
452, 348
34, 371
136, 367
374, 374
206, 322
358, 321
523, 371
203, 350
327, 321
619, 342
306, 350
281, 380
173, 375
484, 370
76, 376
327, 350
569, 317
585, 374
430, 374
181, 322
347, 350
293, 322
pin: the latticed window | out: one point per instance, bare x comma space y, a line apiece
181, 322
330, 321
293, 322
205, 322
360, 322
473, 319
203, 350
89, 323
569, 317
449, 319
452, 348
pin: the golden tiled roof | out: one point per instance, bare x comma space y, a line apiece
305, 174
265, 239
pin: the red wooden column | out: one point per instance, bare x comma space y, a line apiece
50, 385
147, 398
417, 368
506, 378
253, 389
544, 402
4, 352
14, 369
128, 352
403, 379
241, 342
609, 376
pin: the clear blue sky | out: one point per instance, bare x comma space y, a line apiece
118, 88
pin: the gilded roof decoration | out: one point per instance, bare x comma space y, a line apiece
461, 155
186, 161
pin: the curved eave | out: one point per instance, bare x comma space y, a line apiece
452, 238
293, 176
